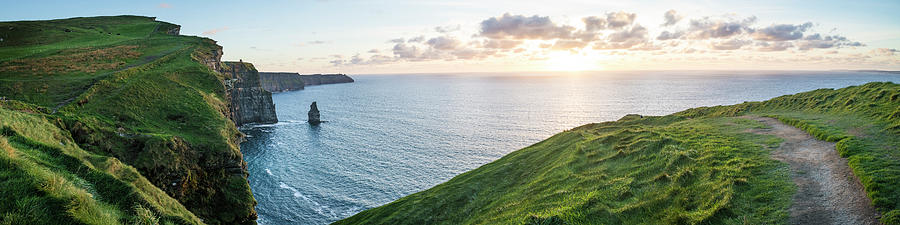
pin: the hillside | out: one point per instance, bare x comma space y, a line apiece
702, 165
118, 120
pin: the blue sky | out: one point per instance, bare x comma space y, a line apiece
355, 36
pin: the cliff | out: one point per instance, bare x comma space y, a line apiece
319, 79
250, 103
279, 82
143, 131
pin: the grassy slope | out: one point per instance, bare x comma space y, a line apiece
153, 107
696, 166
28, 45
48, 179
863, 120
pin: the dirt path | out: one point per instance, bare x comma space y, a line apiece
827, 190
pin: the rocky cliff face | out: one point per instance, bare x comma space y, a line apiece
279, 82
319, 79
250, 103
174, 30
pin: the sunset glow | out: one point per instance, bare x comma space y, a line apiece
568, 35
566, 61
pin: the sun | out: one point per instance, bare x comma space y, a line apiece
567, 61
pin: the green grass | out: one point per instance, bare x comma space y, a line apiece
38, 41
863, 120
658, 170
699, 166
162, 113
48, 179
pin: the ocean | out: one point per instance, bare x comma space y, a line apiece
388, 136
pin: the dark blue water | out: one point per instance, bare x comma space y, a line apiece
388, 136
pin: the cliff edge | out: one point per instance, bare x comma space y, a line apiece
280, 82
128, 120
250, 103
319, 79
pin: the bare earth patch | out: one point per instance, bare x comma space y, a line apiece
827, 190
89, 60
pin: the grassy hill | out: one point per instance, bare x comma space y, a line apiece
116, 102
699, 166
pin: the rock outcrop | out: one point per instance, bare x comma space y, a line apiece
280, 82
319, 79
313, 114
174, 30
250, 103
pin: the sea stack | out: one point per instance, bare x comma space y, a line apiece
314, 114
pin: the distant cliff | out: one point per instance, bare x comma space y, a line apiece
250, 103
278, 82
318, 79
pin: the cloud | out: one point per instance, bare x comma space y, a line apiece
620, 19
666, 35
568, 45
707, 28
443, 43
884, 51
731, 44
671, 17
635, 33
317, 42
593, 23
214, 31
164, 5
624, 39
501, 44
781, 32
417, 39
773, 46
447, 29
614, 20
470, 54
360, 60
831, 41
403, 50
525, 37
522, 27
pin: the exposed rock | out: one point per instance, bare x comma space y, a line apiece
319, 79
280, 82
250, 103
174, 31
314, 114
213, 59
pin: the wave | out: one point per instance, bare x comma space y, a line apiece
318, 208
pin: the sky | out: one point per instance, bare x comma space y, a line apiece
429, 36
